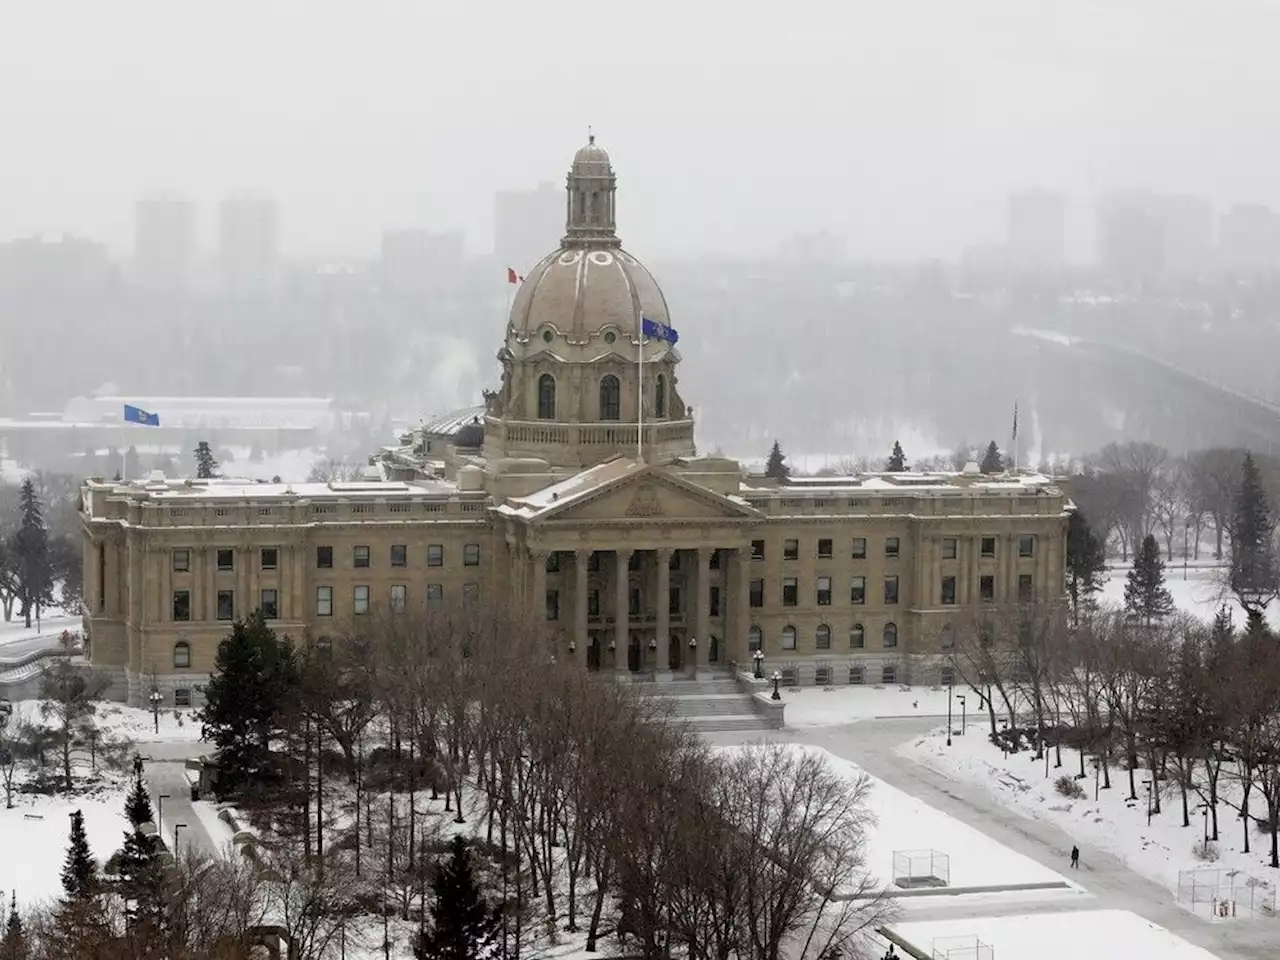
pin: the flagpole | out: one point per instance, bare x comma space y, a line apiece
123, 476
640, 393
1016, 457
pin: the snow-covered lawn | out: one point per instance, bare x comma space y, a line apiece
54, 622
127, 723
817, 707
1096, 934
1201, 593
1112, 823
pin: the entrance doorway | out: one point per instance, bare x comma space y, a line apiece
633, 654
713, 655
593, 653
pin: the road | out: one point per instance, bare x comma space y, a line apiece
1110, 883
165, 773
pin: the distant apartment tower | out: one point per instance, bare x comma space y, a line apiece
1147, 234
1037, 230
522, 221
164, 243
416, 263
1249, 239
248, 244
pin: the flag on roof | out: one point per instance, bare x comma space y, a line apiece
138, 415
658, 331
513, 277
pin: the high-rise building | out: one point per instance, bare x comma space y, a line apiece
1249, 239
248, 244
416, 263
522, 221
164, 243
1146, 234
1037, 230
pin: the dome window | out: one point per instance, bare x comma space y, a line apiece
547, 336
610, 336
546, 397
660, 396
610, 398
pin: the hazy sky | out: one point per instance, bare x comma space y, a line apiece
901, 124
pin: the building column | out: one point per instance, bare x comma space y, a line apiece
703, 628
538, 603
662, 670
581, 639
740, 598
621, 614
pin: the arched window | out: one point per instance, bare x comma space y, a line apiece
788, 637
857, 637
660, 396
546, 397
755, 640
822, 639
890, 635
181, 655
610, 398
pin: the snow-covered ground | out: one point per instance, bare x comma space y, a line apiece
54, 622
1200, 593
818, 707
126, 723
1112, 823
1096, 934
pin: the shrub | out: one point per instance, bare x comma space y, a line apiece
1206, 851
1067, 786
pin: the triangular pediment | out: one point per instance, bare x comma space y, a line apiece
646, 493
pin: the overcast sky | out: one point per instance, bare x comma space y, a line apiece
901, 124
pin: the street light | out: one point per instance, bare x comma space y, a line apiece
573, 646
160, 799
963, 712
1004, 737
777, 678
758, 658
1204, 810
1186, 532
176, 827
949, 689
693, 657
155, 707
1148, 784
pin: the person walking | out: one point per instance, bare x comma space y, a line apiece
1075, 858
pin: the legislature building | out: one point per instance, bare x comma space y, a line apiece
576, 489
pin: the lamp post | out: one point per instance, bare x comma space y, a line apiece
777, 678
1186, 533
964, 714
155, 707
1097, 775
573, 646
758, 658
693, 657
160, 799
1204, 812
176, 828
1004, 737
949, 689
1148, 784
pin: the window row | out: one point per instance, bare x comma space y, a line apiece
824, 675
822, 593
610, 396
822, 637
825, 548
269, 600
361, 557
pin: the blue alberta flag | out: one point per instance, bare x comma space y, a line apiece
138, 415
658, 331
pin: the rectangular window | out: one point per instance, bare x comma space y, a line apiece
859, 548
593, 562
824, 591
1026, 589
791, 550
324, 601
360, 599
988, 546
269, 604
715, 601
182, 605
226, 605
399, 555
824, 549
1026, 546
593, 603
471, 594
435, 554
891, 547
822, 676
182, 696
858, 591
553, 604
360, 556
324, 558
269, 558
715, 559
471, 555
757, 549
987, 589
948, 591
435, 595
756, 593
553, 561
226, 559
790, 591
399, 596
855, 674
891, 589
673, 606
889, 673
948, 548
633, 602
181, 561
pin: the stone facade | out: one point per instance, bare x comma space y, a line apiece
646, 559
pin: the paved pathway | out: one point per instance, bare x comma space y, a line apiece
1112, 885
165, 773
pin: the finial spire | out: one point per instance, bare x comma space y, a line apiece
591, 137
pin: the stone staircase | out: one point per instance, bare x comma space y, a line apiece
714, 703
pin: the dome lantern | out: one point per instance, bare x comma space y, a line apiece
591, 187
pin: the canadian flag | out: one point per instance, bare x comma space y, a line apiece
513, 277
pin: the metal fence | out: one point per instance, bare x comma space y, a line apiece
1223, 894
961, 948
921, 868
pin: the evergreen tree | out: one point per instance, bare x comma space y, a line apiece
776, 467
141, 880
79, 871
30, 548
897, 459
1086, 561
463, 925
1253, 562
254, 682
137, 807
992, 462
13, 946
205, 464
1145, 594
